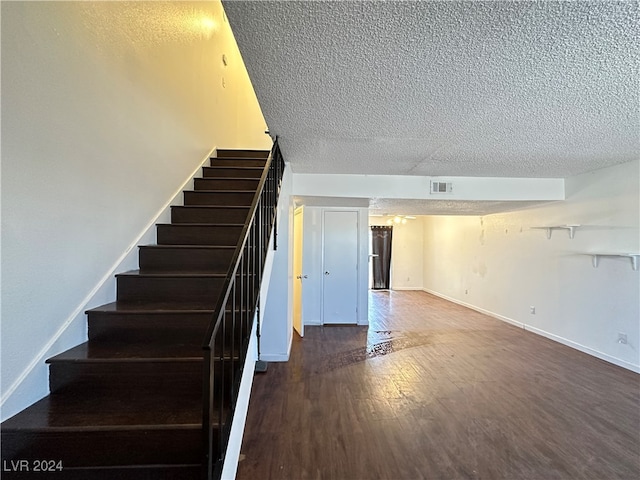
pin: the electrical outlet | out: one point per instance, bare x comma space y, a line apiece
532, 310
622, 338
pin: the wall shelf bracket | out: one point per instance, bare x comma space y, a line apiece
595, 258
571, 229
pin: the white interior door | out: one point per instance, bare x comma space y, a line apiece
340, 267
298, 277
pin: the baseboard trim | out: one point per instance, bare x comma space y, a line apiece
274, 357
86, 302
477, 309
543, 333
584, 349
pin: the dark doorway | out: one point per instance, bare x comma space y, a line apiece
381, 256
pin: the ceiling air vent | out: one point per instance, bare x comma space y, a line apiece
441, 187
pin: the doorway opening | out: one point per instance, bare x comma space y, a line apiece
381, 236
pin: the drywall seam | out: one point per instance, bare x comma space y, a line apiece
232, 455
87, 299
544, 333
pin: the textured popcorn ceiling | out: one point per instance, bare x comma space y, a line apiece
389, 206
405, 206
512, 89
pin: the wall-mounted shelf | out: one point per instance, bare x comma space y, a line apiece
551, 228
596, 256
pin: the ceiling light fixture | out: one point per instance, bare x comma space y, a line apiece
399, 219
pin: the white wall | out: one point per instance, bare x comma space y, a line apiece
498, 264
277, 323
418, 187
407, 252
107, 108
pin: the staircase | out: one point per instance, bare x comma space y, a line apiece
142, 398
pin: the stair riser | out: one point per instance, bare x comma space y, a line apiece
225, 184
237, 162
133, 377
208, 215
178, 290
186, 328
199, 197
231, 172
105, 448
242, 153
139, 376
198, 235
185, 259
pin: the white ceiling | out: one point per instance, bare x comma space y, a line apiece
407, 206
447, 88
521, 89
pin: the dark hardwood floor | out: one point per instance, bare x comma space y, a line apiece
432, 390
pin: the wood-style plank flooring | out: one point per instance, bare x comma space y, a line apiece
432, 390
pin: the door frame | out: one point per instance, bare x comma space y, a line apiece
297, 295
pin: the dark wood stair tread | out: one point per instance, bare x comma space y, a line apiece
116, 352
231, 179
228, 171
234, 167
190, 247
181, 274
239, 158
200, 224
238, 161
185, 258
219, 197
232, 152
150, 308
89, 429
225, 192
215, 207
98, 352
91, 411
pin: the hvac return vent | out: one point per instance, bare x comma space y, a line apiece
441, 187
